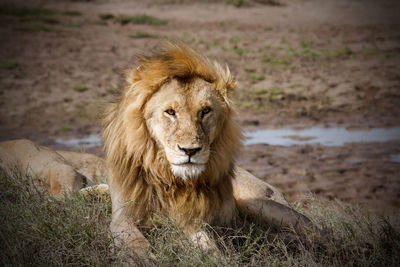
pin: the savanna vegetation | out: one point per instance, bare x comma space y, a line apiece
298, 64
37, 229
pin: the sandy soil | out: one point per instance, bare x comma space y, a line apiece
301, 63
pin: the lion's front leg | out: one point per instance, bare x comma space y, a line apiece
123, 228
202, 241
128, 235
259, 199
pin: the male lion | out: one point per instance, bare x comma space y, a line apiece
170, 146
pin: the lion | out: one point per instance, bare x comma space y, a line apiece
59, 171
170, 146
170, 143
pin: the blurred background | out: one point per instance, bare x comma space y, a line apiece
318, 81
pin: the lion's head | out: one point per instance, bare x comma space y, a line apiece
183, 118
173, 128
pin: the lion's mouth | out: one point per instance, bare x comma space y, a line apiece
187, 170
187, 164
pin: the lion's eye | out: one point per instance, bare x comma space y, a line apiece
170, 112
205, 111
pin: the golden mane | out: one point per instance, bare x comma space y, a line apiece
139, 171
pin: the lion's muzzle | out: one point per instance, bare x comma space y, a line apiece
188, 162
190, 151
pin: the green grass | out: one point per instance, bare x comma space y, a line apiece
43, 28
260, 92
9, 65
80, 88
29, 13
276, 60
66, 128
251, 70
237, 3
238, 51
140, 19
50, 20
39, 230
306, 43
391, 55
140, 35
39, 19
100, 22
75, 24
247, 104
38, 26
306, 52
234, 40
256, 77
106, 16
72, 13
24, 11
343, 52
288, 55
275, 94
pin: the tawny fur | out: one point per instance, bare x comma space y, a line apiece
139, 170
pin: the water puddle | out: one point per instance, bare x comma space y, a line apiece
322, 136
85, 142
395, 158
285, 137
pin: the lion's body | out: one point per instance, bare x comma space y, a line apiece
59, 171
170, 146
142, 182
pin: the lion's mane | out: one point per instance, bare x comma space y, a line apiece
139, 170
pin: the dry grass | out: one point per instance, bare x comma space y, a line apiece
37, 229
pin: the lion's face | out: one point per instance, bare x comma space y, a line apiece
182, 117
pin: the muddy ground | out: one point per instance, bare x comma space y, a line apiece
298, 63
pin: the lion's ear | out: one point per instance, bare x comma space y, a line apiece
133, 75
231, 84
226, 83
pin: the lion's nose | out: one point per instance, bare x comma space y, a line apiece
189, 151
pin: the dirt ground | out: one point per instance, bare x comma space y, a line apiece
298, 63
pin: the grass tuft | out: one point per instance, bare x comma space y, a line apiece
106, 16
140, 35
9, 65
343, 52
37, 229
50, 20
251, 70
260, 92
275, 60
81, 88
140, 19
100, 22
276, 94
238, 51
75, 24
247, 104
24, 11
256, 77
66, 128
72, 13
238, 3
38, 17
